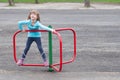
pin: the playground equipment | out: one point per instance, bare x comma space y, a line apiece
51, 65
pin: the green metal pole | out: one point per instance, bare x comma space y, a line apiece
50, 49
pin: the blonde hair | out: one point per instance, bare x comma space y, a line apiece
35, 12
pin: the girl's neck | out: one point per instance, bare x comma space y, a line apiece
33, 22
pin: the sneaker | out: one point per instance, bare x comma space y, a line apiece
20, 62
46, 64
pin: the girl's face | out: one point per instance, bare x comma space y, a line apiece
33, 16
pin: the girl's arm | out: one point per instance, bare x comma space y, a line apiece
45, 27
21, 23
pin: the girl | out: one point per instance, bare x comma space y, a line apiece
33, 23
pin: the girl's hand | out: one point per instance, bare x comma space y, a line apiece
53, 31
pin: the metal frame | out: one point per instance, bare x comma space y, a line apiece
74, 55
60, 46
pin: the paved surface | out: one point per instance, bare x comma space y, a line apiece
98, 45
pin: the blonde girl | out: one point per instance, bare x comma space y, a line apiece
33, 23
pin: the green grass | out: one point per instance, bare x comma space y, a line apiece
106, 1
44, 1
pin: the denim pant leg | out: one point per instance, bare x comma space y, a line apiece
28, 44
39, 45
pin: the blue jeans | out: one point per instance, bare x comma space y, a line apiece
39, 45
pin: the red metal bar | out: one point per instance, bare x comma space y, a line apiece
74, 55
14, 45
60, 54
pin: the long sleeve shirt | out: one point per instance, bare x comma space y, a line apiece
36, 26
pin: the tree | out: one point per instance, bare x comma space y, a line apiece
36, 1
87, 3
11, 2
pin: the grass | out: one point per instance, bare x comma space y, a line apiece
44, 1
106, 1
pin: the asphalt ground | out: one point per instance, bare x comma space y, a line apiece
98, 44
